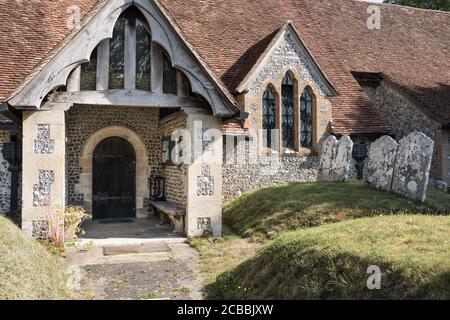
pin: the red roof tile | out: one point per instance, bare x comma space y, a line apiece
411, 49
29, 32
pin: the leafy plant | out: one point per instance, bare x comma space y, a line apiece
73, 218
64, 224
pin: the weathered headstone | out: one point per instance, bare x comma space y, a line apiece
343, 158
412, 166
380, 168
335, 159
327, 158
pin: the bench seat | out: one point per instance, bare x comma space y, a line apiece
174, 213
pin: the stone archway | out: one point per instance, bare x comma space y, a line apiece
84, 187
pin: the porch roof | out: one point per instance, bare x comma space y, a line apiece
411, 49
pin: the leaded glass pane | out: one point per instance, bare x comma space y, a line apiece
117, 59
88, 78
287, 115
169, 76
268, 117
143, 57
306, 115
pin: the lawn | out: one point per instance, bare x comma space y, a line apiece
269, 211
324, 246
27, 270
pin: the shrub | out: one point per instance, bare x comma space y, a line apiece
64, 225
73, 218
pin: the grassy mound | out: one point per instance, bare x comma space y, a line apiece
273, 210
27, 270
331, 262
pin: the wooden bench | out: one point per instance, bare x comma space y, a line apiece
170, 212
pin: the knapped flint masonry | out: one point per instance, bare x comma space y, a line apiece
109, 92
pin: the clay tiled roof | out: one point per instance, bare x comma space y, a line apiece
411, 49
29, 33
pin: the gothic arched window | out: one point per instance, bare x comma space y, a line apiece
288, 113
117, 56
268, 120
306, 115
125, 70
88, 76
169, 76
143, 55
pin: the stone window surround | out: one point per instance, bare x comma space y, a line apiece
299, 87
142, 168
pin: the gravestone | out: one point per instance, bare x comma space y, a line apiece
327, 158
343, 158
412, 166
380, 168
335, 159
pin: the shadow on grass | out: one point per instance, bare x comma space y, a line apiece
315, 273
271, 210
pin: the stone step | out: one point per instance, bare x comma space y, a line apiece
114, 242
144, 248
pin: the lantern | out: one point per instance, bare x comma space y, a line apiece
158, 189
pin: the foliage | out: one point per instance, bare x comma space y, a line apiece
27, 270
64, 225
331, 262
73, 218
425, 4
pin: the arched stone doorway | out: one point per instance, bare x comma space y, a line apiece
114, 180
85, 185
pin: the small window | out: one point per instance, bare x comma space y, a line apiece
88, 77
268, 109
117, 56
306, 115
288, 115
169, 76
169, 158
143, 56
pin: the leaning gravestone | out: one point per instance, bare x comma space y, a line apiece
412, 166
343, 158
327, 158
380, 168
335, 159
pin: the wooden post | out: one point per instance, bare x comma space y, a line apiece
157, 68
103, 65
130, 54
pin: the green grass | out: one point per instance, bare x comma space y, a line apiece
269, 211
336, 245
27, 270
330, 262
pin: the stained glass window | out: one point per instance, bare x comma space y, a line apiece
143, 56
169, 76
287, 114
268, 108
88, 77
116, 57
306, 115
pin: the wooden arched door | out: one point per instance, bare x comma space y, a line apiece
114, 180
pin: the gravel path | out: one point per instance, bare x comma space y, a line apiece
139, 281
173, 277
